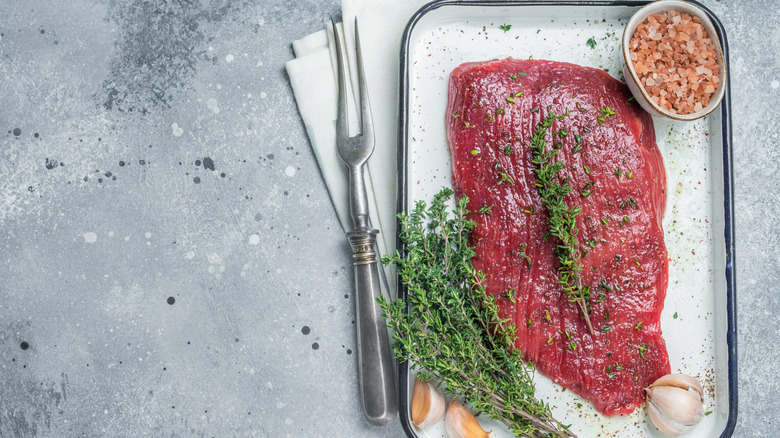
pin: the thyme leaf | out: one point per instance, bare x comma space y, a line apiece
604, 114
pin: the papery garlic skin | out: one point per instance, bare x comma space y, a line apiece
427, 404
675, 403
680, 381
460, 423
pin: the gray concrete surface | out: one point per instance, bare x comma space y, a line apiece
170, 264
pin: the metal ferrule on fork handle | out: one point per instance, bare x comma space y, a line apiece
363, 244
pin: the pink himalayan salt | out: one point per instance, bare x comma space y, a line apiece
672, 52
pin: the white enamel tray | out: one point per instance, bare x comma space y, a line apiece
699, 320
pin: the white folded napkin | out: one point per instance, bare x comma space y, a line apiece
313, 77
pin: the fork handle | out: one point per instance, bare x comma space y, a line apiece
380, 403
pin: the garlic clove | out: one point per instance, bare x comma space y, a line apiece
664, 423
680, 381
427, 404
674, 403
677, 403
461, 423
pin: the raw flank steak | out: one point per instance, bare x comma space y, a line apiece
610, 159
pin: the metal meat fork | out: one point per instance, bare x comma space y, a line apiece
380, 403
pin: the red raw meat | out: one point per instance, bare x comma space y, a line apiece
489, 126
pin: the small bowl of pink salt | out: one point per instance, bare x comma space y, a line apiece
673, 60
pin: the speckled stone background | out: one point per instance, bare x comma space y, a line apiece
170, 262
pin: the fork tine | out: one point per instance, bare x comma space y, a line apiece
342, 123
367, 123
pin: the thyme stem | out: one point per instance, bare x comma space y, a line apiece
562, 220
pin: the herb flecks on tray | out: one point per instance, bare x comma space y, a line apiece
452, 331
562, 220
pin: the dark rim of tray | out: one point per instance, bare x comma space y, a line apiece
728, 183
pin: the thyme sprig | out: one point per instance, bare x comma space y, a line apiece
449, 328
562, 220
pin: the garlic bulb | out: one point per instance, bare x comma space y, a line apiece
675, 403
427, 404
461, 423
